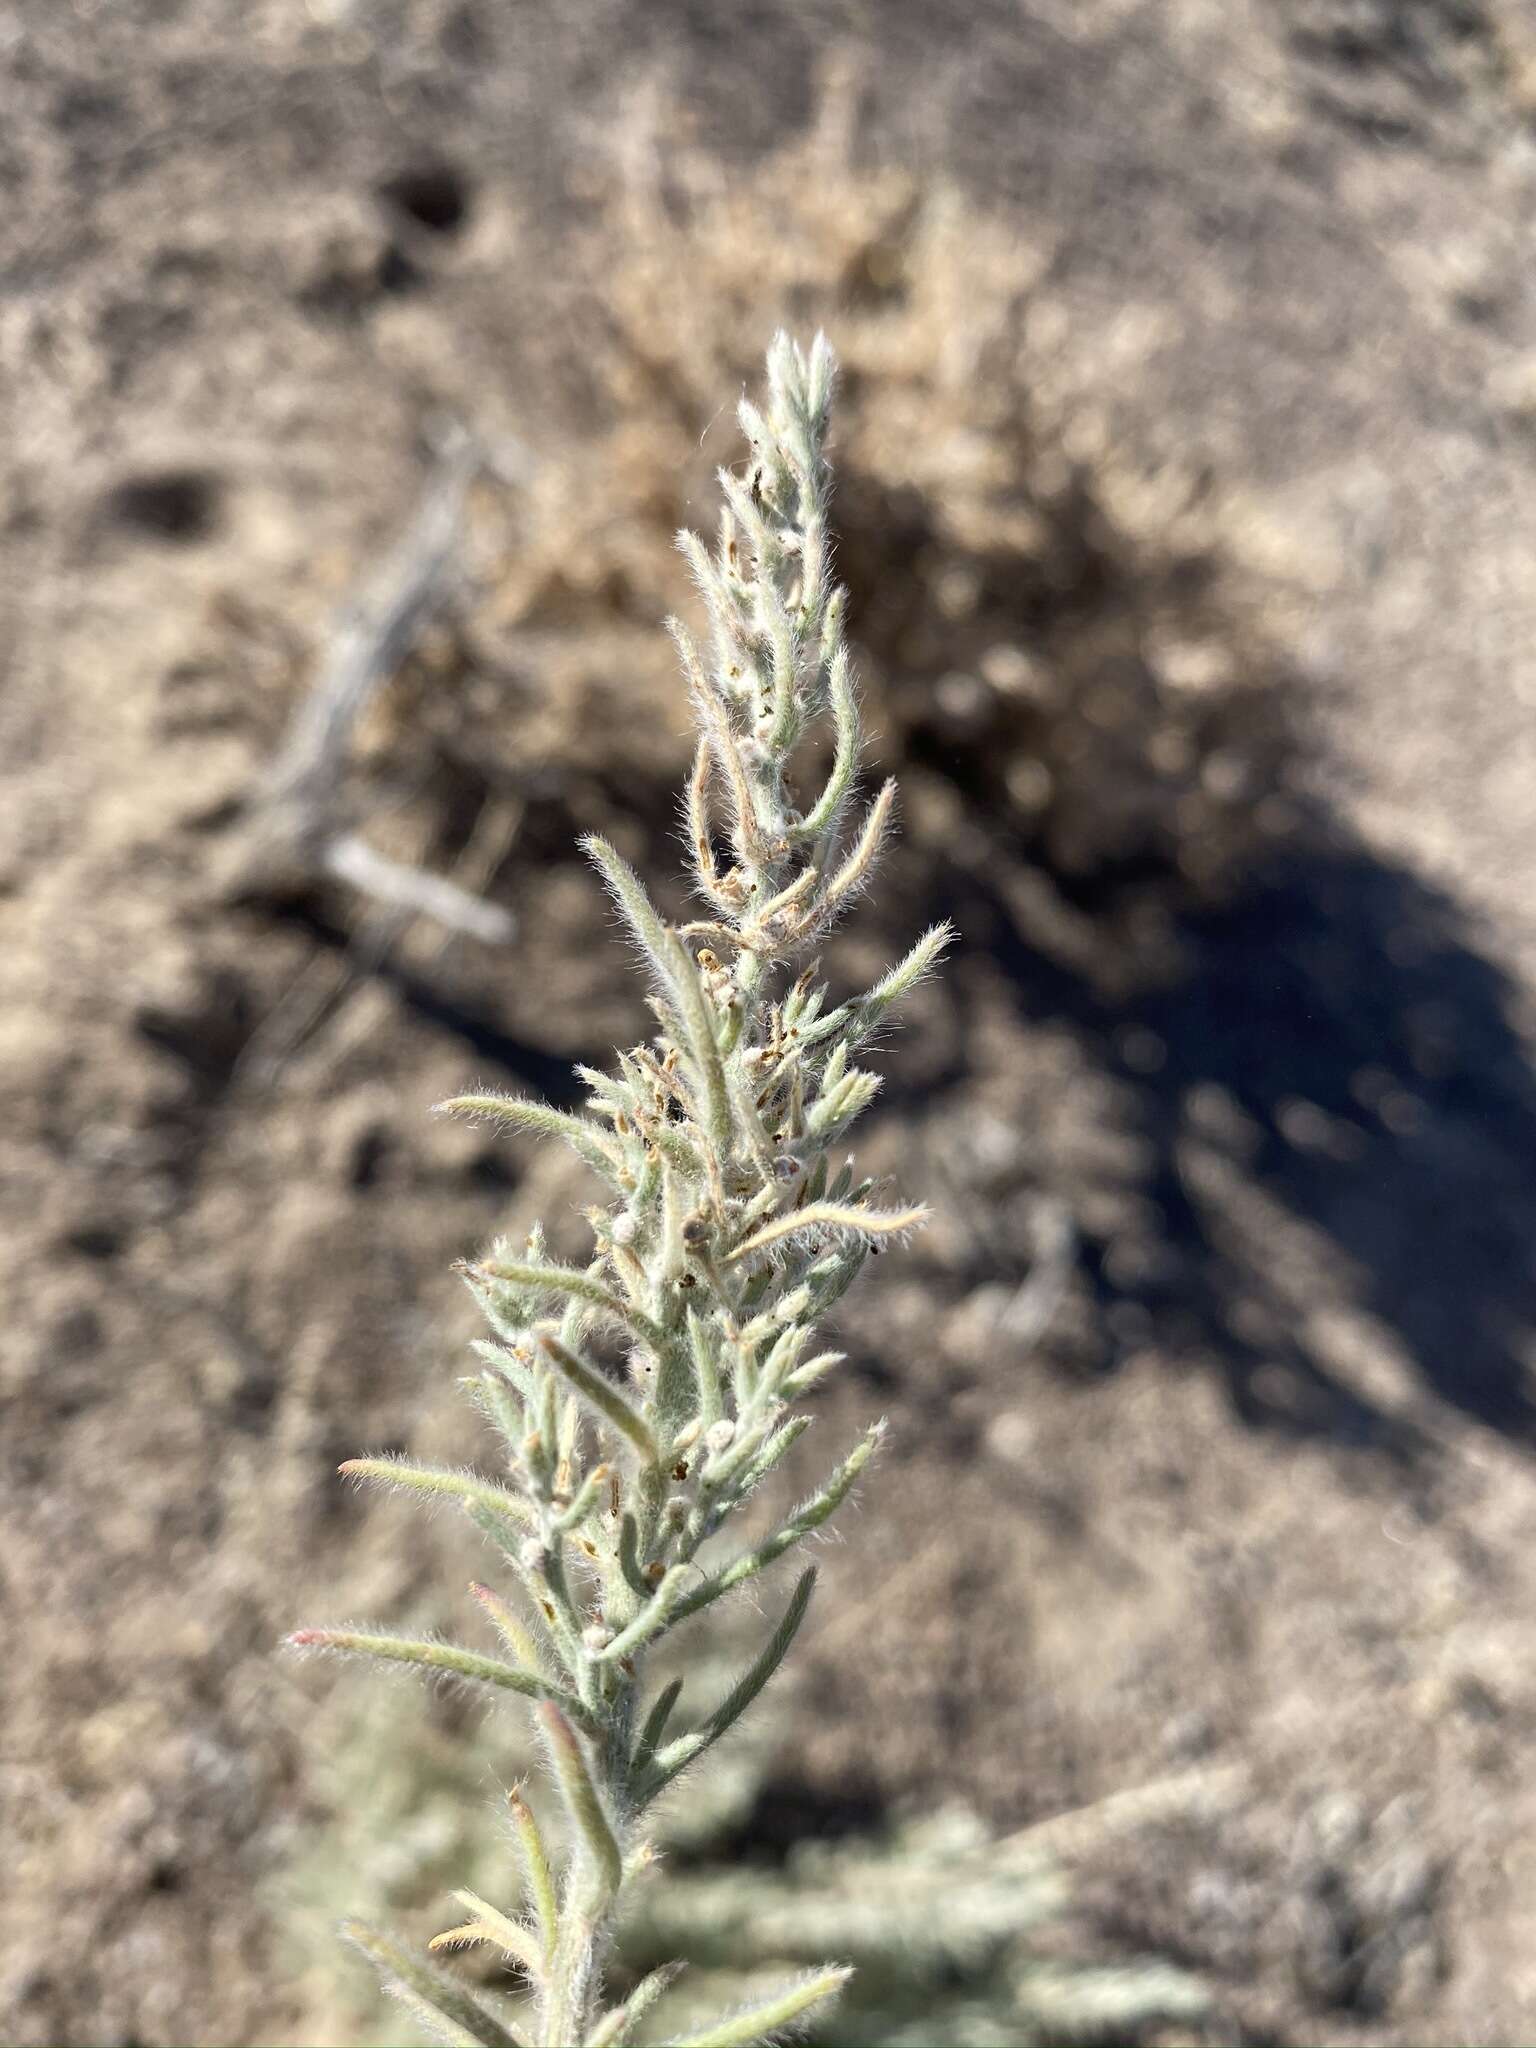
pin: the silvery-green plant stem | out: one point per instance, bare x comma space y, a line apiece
643, 1398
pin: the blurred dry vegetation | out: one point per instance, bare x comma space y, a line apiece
1185, 501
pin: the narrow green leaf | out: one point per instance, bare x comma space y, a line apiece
743, 1093
568, 1280
840, 1105
900, 981
784, 1352
612, 2030
514, 1112
706, 1368
448, 2002
600, 1393
811, 1515
781, 638
629, 1557
804, 1377
541, 1883
702, 1043
433, 2022
836, 1066
825, 812
461, 1486
652, 1618
766, 2021
832, 1277
725, 749
726, 609
587, 1496
509, 1309
509, 1627
751, 1466
570, 1424
569, 1762
615, 2029
788, 898
656, 1722
759, 534
549, 1593
866, 848
504, 1362
833, 617
445, 1657
831, 1216
492, 1393
678, 1755
820, 381
628, 891
676, 1394
680, 977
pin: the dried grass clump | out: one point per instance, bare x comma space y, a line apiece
1042, 621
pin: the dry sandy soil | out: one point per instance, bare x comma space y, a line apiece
1189, 512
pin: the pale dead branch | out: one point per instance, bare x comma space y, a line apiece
297, 828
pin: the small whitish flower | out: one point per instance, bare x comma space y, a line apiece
728, 1235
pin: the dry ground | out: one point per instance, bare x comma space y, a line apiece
1188, 457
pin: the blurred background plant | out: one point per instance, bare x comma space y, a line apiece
959, 1940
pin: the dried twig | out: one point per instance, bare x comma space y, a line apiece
402, 887
296, 829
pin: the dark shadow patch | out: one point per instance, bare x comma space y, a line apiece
205, 1033
434, 196
397, 274
474, 1024
1333, 1036
96, 1240
176, 506
788, 1812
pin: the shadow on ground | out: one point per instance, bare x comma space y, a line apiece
1336, 1034
1291, 1025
